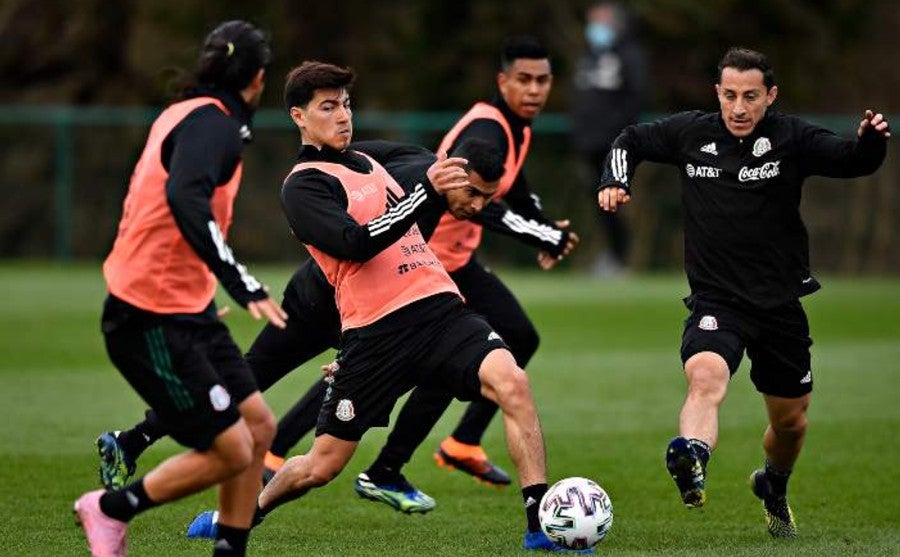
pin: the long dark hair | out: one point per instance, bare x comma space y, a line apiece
231, 55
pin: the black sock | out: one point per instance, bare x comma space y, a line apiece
532, 497
702, 449
778, 479
382, 474
136, 440
230, 541
125, 503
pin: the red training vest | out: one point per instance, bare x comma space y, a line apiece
404, 272
151, 265
454, 241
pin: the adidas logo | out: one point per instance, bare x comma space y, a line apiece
494, 336
806, 378
530, 501
709, 148
223, 545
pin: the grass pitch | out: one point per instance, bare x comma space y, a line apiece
608, 385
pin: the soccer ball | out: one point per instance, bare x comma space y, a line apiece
576, 513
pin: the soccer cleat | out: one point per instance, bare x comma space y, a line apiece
779, 517
401, 495
116, 467
538, 541
106, 536
472, 460
688, 471
204, 525
267, 475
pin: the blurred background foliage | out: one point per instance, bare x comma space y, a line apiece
832, 58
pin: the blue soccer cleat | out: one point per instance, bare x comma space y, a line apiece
400, 495
116, 467
204, 525
688, 471
538, 541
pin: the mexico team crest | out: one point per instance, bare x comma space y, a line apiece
761, 146
345, 410
708, 323
219, 398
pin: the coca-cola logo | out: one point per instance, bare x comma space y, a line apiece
764, 172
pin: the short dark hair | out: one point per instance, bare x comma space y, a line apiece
484, 158
303, 81
743, 59
523, 46
231, 56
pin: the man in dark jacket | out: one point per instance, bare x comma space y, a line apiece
610, 89
746, 259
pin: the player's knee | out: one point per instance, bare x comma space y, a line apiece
513, 389
793, 423
264, 432
707, 376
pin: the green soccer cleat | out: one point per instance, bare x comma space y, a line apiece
779, 517
688, 471
400, 495
116, 467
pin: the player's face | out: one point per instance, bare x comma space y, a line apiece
468, 201
525, 86
326, 120
744, 99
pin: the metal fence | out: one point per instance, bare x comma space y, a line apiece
65, 173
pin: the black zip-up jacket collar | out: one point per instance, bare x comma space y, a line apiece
516, 123
234, 102
349, 158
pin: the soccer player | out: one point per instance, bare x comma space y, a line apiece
160, 322
746, 259
523, 82
404, 323
314, 325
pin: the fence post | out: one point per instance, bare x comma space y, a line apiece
63, 163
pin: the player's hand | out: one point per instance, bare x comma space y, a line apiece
223, 311
448, 173
328, 371
572, 241
875, 121
611, 197
547, 261
270, 310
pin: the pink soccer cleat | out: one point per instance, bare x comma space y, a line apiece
105, 535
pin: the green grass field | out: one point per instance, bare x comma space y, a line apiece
608, 385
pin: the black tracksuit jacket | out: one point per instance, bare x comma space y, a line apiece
744, 240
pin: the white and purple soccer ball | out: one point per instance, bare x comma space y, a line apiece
576, 513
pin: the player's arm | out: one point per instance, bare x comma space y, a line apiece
203, 154
497, 216
824, 153
386, 152
526, 210
655, 142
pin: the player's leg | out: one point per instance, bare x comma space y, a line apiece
487, 295
711, 352
293, 426
782, 372
503, 382
169, 367
325, 460
119, 450
383, 480
275, 353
